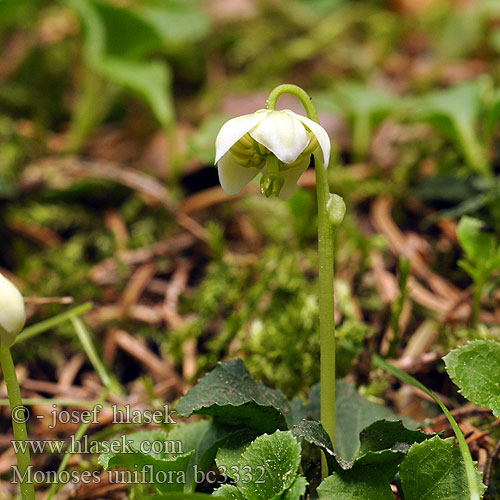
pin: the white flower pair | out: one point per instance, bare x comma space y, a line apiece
278, 144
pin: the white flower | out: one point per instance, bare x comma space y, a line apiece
277, 143
12, 315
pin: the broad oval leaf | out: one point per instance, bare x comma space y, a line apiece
475, 369
268, 467
433, 470
361, 483
230, 393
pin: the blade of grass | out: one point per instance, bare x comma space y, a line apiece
49, 323
84, 337
470, 469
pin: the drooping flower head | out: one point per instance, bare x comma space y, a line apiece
278, 144
12, 314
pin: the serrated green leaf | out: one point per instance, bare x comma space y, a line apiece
167, 472
314, 433
297, 490
229, 454
228, 492
203, 438
384, 444
361, 483
389, 435
475, 369
230, 393
353, 414
433, 470
271, 464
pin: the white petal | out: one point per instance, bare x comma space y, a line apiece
12, 314
235, 129
232, 176
282, 134
291, 177
319, 132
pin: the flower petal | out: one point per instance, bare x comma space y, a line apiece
291, 177
12, 315
232, 176
235, 129
319, 132
282, 134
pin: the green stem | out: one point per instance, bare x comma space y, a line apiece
20, 433
47, 324
325, 250
470, 469
476, 301
473, 150
93, 102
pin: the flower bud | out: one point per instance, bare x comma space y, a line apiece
12, 314
336, 209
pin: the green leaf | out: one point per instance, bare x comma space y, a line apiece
475, 369
434, 469
128, 35
166, 471
297, 490
361, 483
298, 411
229, 454
203, 438
269, 466
229, 492
385, 435
115, 40
455, 112
230, 393
176, 21
473, 486
365, 107
478, 245
314, 433
384, 445
353, 414
151, 81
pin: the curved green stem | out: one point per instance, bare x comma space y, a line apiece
326, 233
20, 433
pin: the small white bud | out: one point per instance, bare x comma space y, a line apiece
12, 314
336, 209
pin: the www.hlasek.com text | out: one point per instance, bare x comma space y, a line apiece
121, 445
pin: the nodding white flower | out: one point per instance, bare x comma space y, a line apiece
12, 314
278, 144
